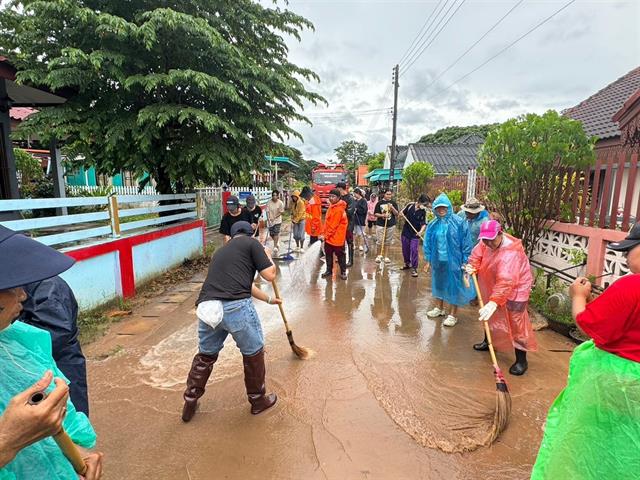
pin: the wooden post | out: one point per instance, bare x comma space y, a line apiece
114, 216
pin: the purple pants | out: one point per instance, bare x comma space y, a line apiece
410, 247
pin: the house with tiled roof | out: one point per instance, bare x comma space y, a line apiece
445, 158
612, 114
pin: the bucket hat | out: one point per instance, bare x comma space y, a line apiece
25, 261
473, 205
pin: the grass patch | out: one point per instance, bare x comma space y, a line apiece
92, 324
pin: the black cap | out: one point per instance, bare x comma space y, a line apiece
632, 240
26, 261
341, 185
241, 227
233, 200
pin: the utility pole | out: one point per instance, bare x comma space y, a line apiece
392, 164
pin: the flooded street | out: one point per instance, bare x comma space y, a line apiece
390, 393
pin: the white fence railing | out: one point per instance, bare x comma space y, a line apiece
262, 194
130, 190
96, 217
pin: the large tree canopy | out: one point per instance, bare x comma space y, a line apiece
191, 91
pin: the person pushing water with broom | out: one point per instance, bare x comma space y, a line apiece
505, 282
224, 307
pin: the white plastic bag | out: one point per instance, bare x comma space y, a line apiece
210, 312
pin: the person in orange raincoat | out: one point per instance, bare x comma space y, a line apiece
335, 234
313, 225
505, 279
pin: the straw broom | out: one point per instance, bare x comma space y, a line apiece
503, 398
302, 353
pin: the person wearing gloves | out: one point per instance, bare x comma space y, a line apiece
446, 249
27, 449
505, 279
593, 427
298, 215
224, 307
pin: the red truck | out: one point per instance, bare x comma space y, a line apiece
324, 178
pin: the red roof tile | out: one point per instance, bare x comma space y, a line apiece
596, 112
20, 113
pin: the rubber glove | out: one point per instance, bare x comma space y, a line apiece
488, 310
468, 268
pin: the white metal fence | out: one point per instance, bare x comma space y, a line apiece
96, 217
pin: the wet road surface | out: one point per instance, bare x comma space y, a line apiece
390, 394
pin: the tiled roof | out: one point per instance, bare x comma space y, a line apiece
596, 112
470, 138
20, 113
446, 158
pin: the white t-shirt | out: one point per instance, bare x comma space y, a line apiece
275, 211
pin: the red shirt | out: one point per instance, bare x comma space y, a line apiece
613, 319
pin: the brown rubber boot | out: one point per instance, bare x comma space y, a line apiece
201, 368
254, 372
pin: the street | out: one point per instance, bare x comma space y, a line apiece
390, 393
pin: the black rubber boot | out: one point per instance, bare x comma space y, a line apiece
483, 346
521, 364
196, 382
254, 373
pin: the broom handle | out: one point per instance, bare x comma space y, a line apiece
384, 237
70, 450
485, 322
410, 224
276, 290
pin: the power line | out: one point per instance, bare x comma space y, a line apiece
474, 44
419, 35
416, 57
506, 48
344, 113
374, 121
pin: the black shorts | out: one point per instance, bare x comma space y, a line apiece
371, 223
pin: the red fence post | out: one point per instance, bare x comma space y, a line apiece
616, 191
594, 192
631, 184
604, 203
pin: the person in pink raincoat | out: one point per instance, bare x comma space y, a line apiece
505, 279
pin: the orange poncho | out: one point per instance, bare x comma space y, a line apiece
313, 225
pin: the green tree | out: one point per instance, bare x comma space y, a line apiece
415, 179
27, 166
528, 162
450, 134
351, 153
376, 161
191, 91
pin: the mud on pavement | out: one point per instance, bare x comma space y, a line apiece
390, 394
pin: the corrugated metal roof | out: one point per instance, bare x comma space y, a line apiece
596, 112
447, 158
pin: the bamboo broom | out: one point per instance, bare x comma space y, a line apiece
301, 352
503, 397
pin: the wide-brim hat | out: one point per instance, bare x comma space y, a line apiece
26, 261
629, 243
473, 205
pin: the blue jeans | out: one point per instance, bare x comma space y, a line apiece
241, 320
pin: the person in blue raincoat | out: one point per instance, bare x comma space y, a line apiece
27, 448
475, 214
447, 247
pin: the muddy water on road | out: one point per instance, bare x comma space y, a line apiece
390, 393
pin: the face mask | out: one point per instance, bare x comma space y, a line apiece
250, 205
232, 208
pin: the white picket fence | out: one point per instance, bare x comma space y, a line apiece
130, 190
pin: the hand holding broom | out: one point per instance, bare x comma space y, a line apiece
503, 398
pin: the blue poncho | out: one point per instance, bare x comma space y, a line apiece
474, 225
25, 355
447, 246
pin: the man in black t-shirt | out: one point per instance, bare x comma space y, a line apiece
253, 213
386, 213
227, 290
347, 198
234, 214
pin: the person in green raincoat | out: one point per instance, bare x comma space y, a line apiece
27, 449
593, 427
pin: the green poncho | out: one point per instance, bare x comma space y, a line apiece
25, 355
593, 427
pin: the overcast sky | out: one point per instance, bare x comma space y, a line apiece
356, 43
